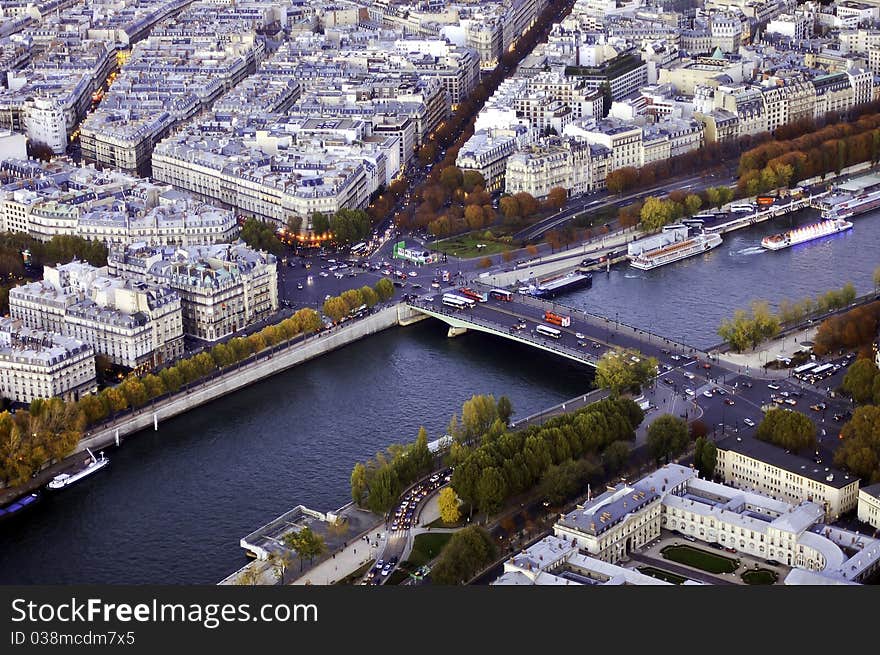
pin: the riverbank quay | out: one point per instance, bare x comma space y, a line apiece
222, 382
351, 539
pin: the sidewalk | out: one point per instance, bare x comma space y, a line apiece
752, 363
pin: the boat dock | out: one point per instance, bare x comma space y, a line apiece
347, 529
763, 215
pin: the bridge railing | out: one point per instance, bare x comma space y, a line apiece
606, 323
546, 343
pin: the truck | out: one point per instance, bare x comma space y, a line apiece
557, 319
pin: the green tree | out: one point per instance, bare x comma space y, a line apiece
261, 236
667, 437
468, 552
306, 543
657, 212
491, 490
565, 480
320, 223
622, 370
692, 204
789, 429
359, 484
504, 409
384, 289
280, 561
449, 506
861, 379
860, 449
615, 456
384, 490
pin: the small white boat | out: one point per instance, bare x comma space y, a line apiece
64, 480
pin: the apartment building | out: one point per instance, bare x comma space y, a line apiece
222, 288
38, 364
132, 323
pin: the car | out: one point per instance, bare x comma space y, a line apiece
582, 344
666, 367
716, 545
689, 375
299, 286
730, 550
665, 351
773, 562
747, 385
775, 387
675, 358
749, 422
689, 392
669, 381
790, 401
596, 345
386, 569
707, 366
728, 401
707, 393
720, 391
579, 335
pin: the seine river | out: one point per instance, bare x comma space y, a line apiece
174, 503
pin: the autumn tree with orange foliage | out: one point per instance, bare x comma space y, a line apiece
853, 330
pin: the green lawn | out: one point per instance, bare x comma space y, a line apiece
465, 246
426, 547
662, 575
700, 559
760, 576
439, 523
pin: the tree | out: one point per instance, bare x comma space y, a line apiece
451, 177
491, 490
280, 561
294, 224
621, 370
449, 506
788, 429
692, 204
565, 480
320, 223
615, 456
556, 197
468, 552
667, 437
261, 236
657, 212
359, 484
527, 203
510, 209
860, 450
352, 298
471, 180
861, 379
384, 289
705, 457
504, 409
335, 308
370, 297
622, 179
306, 544
477, 416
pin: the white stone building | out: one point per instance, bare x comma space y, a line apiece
132, 323
869, 505
38, 364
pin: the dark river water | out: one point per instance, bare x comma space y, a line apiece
174, 503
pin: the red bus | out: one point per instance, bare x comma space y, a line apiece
557, 319
470, 293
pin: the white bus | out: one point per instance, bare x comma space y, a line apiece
742, 209
821, 371
358, 247
458, 302
501, 294
804, 368
548, 331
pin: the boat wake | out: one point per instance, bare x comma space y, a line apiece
753, 250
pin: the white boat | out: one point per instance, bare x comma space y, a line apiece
674, 252
64, 480
804, 234
847, 205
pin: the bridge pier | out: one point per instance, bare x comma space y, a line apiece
455, 331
